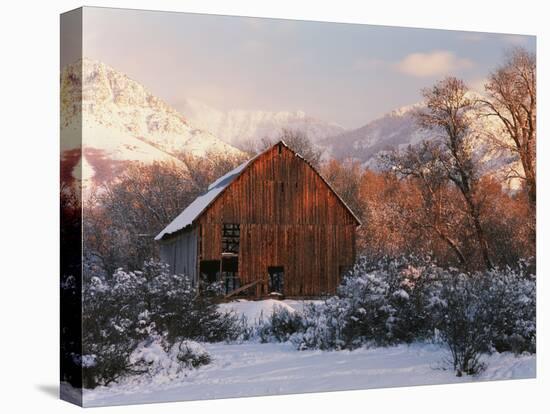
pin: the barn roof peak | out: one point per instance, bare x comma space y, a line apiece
188, 216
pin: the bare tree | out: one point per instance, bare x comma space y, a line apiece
512, 100
299, 142
124, 216
204, 170
422, 163
345, 178
448, 114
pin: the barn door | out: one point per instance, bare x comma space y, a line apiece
230, 274
276, 279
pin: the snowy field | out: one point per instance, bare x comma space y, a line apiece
253, 369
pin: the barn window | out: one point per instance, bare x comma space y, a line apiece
231, 234
280, 147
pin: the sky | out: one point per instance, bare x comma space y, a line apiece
343, 73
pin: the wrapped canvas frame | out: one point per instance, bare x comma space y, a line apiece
297, 247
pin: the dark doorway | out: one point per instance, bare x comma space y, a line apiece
230, 273
276, 279
209, 270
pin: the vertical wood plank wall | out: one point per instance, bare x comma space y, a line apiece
288, 217
180, 253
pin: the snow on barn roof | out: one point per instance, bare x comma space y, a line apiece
194, 210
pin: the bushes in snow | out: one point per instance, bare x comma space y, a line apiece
387, 305
192, 354
145, 321
122, 311
511, 296
279, 325
460, 317
111, 329
320, 327
163, 361
176, 308
406, 299
382, 303
482, 312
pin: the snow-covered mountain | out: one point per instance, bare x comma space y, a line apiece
240, 128
398, 129
122, 122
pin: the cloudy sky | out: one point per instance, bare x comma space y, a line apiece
344, 73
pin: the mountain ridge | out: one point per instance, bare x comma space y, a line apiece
122, 122
241, 127
398, 129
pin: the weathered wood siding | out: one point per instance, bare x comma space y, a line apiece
288, 217
180, 253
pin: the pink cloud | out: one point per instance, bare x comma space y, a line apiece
438, 62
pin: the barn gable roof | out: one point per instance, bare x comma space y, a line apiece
194, 210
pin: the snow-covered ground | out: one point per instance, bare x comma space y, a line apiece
252, 369
254, 310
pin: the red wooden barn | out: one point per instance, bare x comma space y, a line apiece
273, 225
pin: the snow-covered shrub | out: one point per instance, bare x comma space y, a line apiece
163, 361
510, 296
389, 304
322, 326
192, 354
408, 298
279, 326
368, 299
178, 310
113, 324
459, 314
243, 331
381, 303
480, 312
151, 357
121, 311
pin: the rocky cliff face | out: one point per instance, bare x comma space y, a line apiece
123, 122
